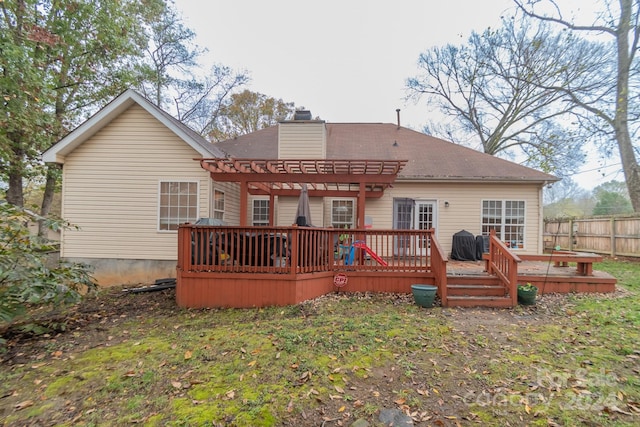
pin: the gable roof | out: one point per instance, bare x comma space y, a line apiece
429, 158
57, 153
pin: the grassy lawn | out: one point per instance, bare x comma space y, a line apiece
137, 358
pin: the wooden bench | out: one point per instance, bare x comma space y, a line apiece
584, 260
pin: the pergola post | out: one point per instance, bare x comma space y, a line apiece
362, 197
272, 209
244, 202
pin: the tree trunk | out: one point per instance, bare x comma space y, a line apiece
629, 165
620, 121
15, 194
47, 198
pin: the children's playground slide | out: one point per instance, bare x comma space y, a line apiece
362, 245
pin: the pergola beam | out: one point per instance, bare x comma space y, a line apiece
370, 194
304, 178
359, 179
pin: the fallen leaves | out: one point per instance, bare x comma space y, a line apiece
263, 366
24, 404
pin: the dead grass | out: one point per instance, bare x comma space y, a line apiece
137, 358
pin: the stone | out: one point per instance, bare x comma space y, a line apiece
395, 418
360, 422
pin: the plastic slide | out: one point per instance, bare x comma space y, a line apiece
367, 249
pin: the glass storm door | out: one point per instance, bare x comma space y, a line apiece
402, 220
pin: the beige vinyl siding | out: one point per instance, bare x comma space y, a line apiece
287, 206
302, 140
111, 185
231, 201
464, 211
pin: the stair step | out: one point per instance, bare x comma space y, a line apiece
478, 301
475, 290
473, 280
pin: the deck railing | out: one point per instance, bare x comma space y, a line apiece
439, 268
504, 264
293, 250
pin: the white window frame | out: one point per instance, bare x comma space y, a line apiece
217, 210
180, 218
267, 207
335, 203
502, 224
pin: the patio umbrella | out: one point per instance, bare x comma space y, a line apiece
303, 213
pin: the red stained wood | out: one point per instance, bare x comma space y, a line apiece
312, 266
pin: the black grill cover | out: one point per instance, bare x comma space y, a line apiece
463, 247
482, 246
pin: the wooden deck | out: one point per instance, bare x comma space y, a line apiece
548, 277
235, 267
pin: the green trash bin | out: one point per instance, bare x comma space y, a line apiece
424, 295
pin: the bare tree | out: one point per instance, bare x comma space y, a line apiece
171, 55
173, 79
564, 189
609, 110
493, 88
199, 103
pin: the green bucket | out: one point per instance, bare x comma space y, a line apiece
424, 295
527, 297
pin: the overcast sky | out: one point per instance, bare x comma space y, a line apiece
345, 60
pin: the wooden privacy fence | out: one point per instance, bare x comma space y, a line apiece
615, 236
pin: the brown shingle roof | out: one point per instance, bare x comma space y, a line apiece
429, 158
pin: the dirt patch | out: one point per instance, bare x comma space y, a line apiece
86, 325
435, 382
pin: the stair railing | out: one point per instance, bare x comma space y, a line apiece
439, 267
503, 263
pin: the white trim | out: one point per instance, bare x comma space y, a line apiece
66, 145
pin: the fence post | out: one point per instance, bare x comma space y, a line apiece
570, 234
613, 236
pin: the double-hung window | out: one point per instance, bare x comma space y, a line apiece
507, 218
178, 203
342, 213
218, 204
260, 212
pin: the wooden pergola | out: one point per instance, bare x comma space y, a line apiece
359, 179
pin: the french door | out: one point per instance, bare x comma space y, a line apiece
424, 219
412, 214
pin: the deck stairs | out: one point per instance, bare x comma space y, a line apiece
476, 291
